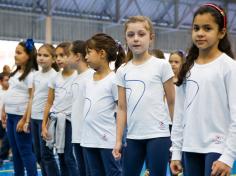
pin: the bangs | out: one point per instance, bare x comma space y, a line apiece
90, 44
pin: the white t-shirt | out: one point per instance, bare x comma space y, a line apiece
78, 90
205, 111
147, 116
17, 96
41, 81
2, 94
62, 93
99, 129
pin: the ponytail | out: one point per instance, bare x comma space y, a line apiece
120, 56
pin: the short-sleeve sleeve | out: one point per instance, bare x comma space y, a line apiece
30, 80
167, 71
52, 81
114, 90
119, 80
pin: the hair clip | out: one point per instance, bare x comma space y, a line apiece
181, 52
29, 44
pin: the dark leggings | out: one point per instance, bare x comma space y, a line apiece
196, 164
156, 150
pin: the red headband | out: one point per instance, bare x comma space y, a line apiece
219, 10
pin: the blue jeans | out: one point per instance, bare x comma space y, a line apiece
196, 164
21, 144
67, 160
44, 155
5, 148
81, 160
102, 163
155, 150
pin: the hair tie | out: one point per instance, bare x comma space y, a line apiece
219, 10
182, 52
118, 45
29, 44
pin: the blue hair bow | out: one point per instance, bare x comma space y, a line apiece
29, 44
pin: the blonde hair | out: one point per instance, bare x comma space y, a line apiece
52, 51
148, 26
144, 19
50, 48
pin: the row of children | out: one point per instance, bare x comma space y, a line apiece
80, 107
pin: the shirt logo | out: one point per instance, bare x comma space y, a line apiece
218, 139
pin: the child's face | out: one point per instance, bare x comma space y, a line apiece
73, 59
138, 37
61, 58
4, 82
93, 58
205, 32
21, 57
175, 62
44, 58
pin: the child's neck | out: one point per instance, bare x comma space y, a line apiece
82, 68
101, 72
207, 56
67, 72
175, 79
3, 88
141, 58
22, 68
46, 69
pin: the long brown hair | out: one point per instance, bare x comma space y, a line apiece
112, 48
31, 63
224, 44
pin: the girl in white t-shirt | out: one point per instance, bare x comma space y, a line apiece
56, 126
44, 155
99, 128
77, 61
17, 102
142, 84
176, 60
204, 126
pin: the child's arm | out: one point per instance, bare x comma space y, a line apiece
46, 112
120, 121
224, 164
170, 96
4, 117
177, 131
23, 124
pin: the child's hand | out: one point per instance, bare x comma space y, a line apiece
26, 127
176, 167
20, 125
44, 132
116, 152
220, 169
4, 120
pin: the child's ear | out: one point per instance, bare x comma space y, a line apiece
78, 56
102, 53
152, 36
222, 33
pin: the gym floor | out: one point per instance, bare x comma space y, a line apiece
7, 169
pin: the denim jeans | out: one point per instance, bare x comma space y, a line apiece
67, 160
102, 163
21, 144
44, 155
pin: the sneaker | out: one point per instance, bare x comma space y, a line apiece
146, 173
